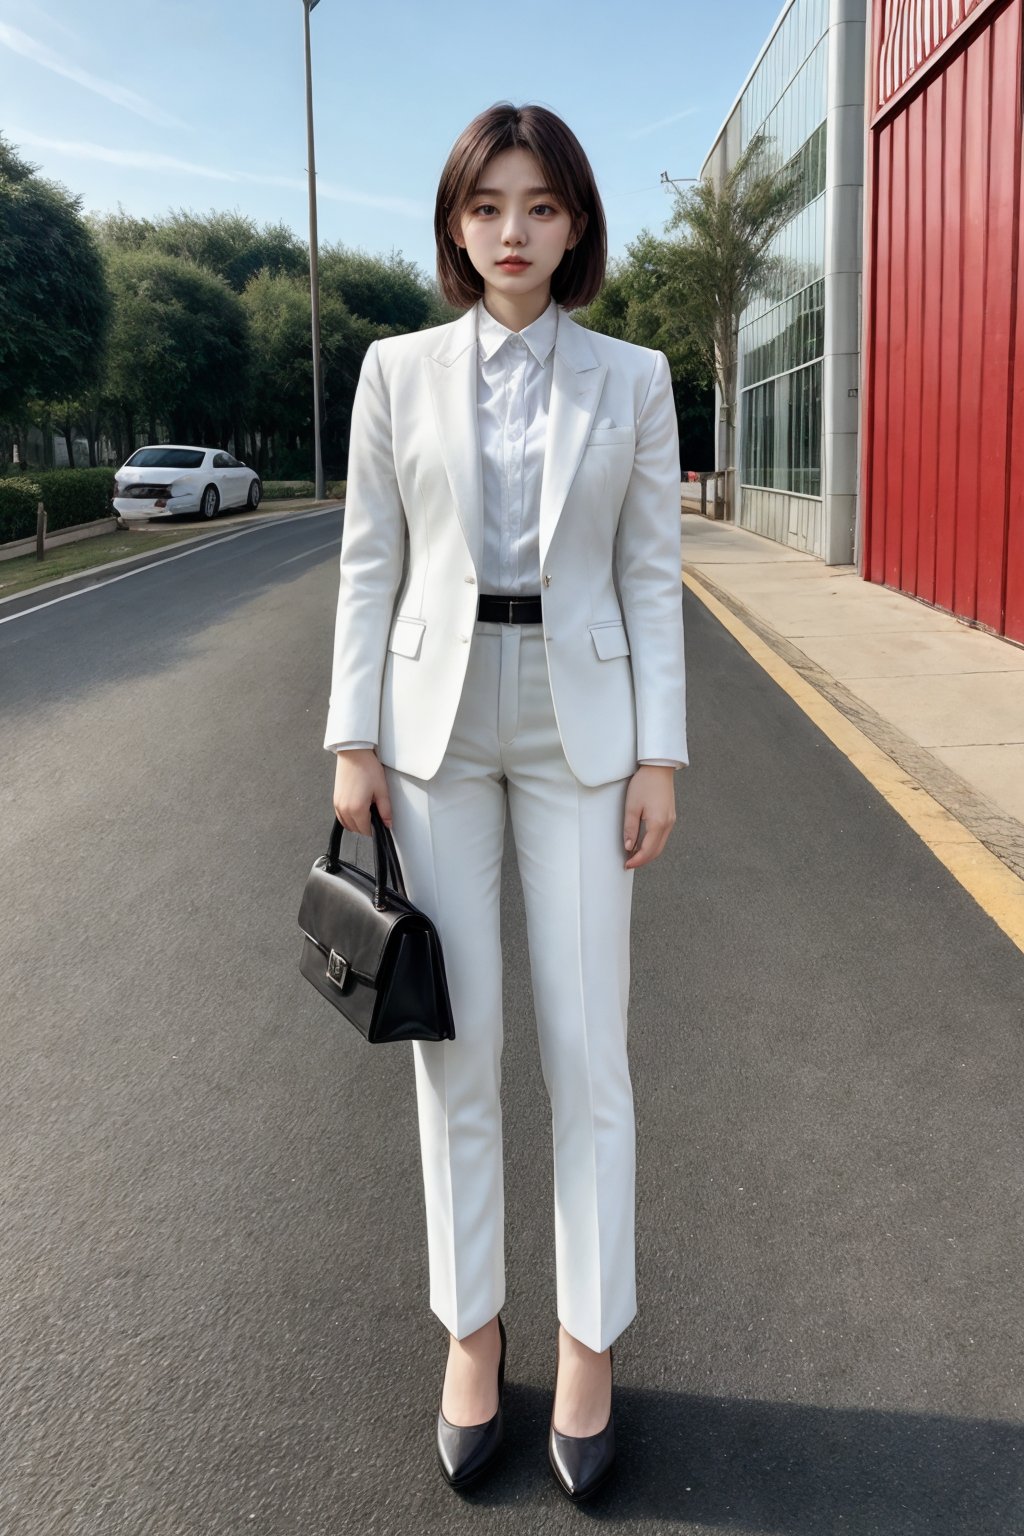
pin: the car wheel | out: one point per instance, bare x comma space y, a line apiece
255, 492
210, 502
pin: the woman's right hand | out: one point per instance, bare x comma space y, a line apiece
359, 780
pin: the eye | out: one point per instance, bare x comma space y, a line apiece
549, 206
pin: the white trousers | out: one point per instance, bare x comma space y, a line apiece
505, 752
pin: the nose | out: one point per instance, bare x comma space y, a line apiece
512, 234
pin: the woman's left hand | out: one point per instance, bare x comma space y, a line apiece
650, 796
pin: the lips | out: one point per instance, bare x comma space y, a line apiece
513, 263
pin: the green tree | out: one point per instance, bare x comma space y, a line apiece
391, 293
53, 293
344, 338
634, 304
230, 244
179, 347
281, 376
280, 401
724, 260
124, 230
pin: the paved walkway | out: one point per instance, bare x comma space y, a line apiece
944, 700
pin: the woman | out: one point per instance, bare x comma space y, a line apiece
509, 636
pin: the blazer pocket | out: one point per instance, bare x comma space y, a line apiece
406, 635
610, 639
602, 435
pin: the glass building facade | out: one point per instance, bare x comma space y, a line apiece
782, 335
794, 450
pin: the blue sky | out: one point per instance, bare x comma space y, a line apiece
157, 104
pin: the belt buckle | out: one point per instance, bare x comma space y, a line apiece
511, 601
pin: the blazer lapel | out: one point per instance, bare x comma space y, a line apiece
576, 386
451, 374
576, 383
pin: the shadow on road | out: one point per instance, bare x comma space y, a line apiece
787, 1469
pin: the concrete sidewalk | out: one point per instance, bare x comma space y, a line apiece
944, 700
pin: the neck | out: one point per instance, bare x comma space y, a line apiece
516, 313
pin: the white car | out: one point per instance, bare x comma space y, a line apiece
164, 479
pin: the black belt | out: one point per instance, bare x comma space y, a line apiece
509, 610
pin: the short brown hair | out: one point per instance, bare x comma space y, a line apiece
579, 276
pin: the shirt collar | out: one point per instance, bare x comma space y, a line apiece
539, 335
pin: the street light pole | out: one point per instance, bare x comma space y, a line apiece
314, 262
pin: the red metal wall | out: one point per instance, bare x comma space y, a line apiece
942, 473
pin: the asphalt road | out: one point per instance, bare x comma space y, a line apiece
213, 1267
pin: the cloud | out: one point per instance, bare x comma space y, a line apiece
52, 24
147, 160
134, 159
338, 194
20, 42
663, 122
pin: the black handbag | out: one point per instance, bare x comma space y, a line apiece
368, 950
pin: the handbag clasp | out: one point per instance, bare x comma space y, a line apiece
337, 968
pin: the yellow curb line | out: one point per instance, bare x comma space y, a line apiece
996, 889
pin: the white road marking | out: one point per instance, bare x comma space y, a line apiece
306, 553
139, 570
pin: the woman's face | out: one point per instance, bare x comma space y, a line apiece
512, 213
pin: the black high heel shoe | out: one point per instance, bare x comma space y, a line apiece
465, 1451
581, 1463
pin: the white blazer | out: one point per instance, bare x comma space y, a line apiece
610, 551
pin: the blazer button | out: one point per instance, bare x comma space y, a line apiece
469, 578
547, 579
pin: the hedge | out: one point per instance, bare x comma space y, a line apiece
75, 496
71, 496
19, 497
287, 490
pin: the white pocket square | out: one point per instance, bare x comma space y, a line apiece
605, 421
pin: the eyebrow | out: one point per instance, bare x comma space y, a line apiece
499, 192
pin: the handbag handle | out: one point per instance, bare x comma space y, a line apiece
386, 868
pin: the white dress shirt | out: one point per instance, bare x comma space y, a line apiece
513, 394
